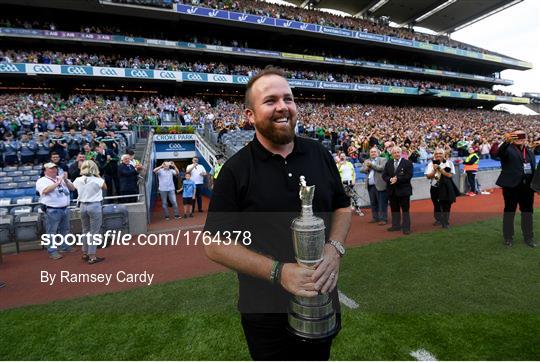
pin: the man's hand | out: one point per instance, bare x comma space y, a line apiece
298, 280
326, 274
510, 137
393, 180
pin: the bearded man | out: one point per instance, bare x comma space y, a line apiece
257, 191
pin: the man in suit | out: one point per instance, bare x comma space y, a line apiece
376, 186
397, 174
517, 173
129, 177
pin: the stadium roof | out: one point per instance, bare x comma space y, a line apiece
441, 16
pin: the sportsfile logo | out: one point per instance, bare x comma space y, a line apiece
8, 68
138, 73
76, 70
38, 68
194, 76
108, 72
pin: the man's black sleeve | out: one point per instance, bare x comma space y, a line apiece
223, 210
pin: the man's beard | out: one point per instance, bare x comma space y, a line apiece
277, 135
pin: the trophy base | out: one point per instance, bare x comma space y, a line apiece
312, 322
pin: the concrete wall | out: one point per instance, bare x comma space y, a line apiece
421, 185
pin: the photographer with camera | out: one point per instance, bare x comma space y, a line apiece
517, 173
165, 173
54, 191
443, 191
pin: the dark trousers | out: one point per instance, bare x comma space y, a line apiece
379, 203
11, 160
268, 339
42, 158
27, 159
523, 196
198, 196
400, 212
471, 180
441, 209
126, 200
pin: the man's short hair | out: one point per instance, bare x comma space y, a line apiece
269, 70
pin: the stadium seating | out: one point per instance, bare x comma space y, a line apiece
26, 227
6, 229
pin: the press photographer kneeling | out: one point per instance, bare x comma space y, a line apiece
443, 191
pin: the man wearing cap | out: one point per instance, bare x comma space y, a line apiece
54, 196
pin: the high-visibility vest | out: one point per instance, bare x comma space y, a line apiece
348, 165
474, 166
217, 168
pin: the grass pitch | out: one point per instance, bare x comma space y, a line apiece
459, 294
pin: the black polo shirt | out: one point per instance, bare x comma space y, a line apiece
258, 191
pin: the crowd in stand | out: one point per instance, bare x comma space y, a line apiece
263, 8
223, 40
52, 57
354, 127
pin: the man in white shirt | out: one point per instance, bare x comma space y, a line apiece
198, 172
166, 187
54, 195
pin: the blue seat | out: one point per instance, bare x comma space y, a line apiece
9, 168
34, 178
14, 193
26, 227
4, 211
6, 229
3, 174
31, 172
23, 200
20, 210
5, 202
5, 179
14, 173
20, 179
38, 167
25, 168
26, 184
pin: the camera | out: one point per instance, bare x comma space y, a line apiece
436, 162
521, 136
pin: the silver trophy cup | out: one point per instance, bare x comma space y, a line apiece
310, 318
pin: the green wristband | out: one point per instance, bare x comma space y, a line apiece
273, 272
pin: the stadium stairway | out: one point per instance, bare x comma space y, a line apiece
139, 148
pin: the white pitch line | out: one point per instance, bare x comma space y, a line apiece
348, 302
423, 355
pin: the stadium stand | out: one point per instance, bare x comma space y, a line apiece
102, 72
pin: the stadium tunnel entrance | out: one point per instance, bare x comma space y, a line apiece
181, 149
